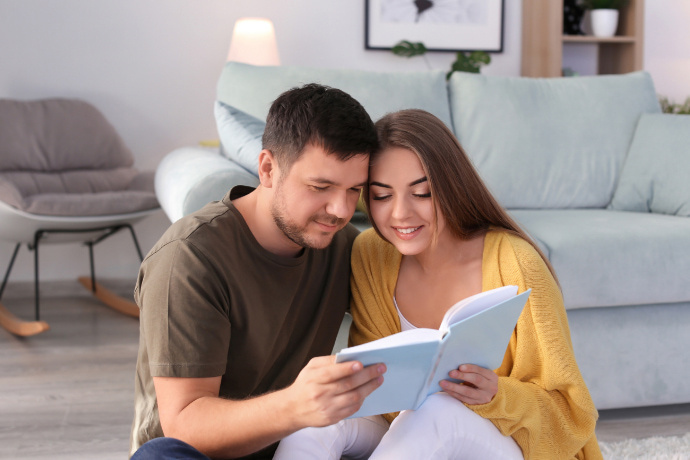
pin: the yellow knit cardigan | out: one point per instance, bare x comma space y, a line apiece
542, 400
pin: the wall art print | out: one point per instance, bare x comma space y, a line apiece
442, 25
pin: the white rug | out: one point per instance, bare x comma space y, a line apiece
656, 448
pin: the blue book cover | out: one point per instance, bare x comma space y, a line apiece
476, 330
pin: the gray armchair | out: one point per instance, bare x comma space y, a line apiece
65, 176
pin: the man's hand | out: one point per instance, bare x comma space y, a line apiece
479, 385
325, 392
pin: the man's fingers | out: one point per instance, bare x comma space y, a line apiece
330, 371
363, 377
352, 400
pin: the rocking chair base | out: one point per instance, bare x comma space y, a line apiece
111, 299
19, 327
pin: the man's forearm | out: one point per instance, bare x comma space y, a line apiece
323, 393
226, 428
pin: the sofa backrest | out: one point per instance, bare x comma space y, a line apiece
252, 89
550, 142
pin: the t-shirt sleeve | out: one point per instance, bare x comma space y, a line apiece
184, 313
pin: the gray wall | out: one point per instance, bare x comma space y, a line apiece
151, 66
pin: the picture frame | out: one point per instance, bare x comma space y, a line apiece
442, 25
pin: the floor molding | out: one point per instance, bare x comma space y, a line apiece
16, 290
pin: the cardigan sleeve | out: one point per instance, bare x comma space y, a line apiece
372, 284
542, 400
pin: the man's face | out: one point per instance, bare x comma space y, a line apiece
317, 196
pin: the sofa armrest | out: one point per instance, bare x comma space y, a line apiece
190, 177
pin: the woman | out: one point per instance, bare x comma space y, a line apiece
439, 236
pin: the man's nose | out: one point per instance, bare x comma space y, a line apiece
339, 205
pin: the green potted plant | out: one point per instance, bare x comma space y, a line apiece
670, 107
604, 15
464, 61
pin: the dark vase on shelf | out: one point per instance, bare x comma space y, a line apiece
572, 18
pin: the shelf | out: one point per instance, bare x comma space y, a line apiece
593, 39
543, 40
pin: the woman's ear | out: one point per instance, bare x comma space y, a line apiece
268, 168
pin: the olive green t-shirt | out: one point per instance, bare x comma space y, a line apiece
213, 302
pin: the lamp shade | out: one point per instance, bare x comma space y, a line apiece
254, 42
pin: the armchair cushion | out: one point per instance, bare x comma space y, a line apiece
240, 136
656, 174
58, 135
90, 204
80, 181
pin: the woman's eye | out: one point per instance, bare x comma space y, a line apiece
423, 195
380, 197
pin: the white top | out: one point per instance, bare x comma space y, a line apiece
405, 325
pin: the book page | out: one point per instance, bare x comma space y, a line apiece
481, 339
412, 336
476, 303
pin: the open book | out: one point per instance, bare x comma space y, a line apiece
475, 330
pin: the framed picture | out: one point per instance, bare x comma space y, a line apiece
442, 25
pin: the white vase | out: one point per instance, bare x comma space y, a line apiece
604, 22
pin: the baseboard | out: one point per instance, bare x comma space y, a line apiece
64, 288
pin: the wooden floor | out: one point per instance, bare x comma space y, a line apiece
67, 394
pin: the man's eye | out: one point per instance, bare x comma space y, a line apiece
317, 188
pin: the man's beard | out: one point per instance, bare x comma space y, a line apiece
297, 233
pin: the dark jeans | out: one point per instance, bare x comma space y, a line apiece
167, 449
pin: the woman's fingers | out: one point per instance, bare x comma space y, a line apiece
478, 385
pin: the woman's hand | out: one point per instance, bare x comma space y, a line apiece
479, 385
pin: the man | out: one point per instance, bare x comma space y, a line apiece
236, 298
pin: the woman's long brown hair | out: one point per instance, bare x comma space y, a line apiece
465, 202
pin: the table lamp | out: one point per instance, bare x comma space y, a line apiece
254, 42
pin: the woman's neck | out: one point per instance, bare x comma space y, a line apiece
447, 251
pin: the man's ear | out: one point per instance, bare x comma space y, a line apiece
268, 168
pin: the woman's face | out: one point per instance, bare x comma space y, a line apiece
400, 201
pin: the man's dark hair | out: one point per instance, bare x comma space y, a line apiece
321, 116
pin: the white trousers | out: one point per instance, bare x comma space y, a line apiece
442, 428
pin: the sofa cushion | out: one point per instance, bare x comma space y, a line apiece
252, 89
656, 174
549, 142
57, 135
609, 258
240, 136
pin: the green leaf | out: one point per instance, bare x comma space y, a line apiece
408, 49
469, 62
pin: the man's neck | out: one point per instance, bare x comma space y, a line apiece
255, 208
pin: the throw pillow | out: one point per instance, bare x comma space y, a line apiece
240, 136
655, 174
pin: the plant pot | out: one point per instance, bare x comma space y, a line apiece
604, 22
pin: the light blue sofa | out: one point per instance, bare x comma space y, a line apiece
587, 165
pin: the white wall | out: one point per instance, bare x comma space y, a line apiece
151, 67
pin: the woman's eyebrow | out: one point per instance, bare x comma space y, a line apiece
413, 183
